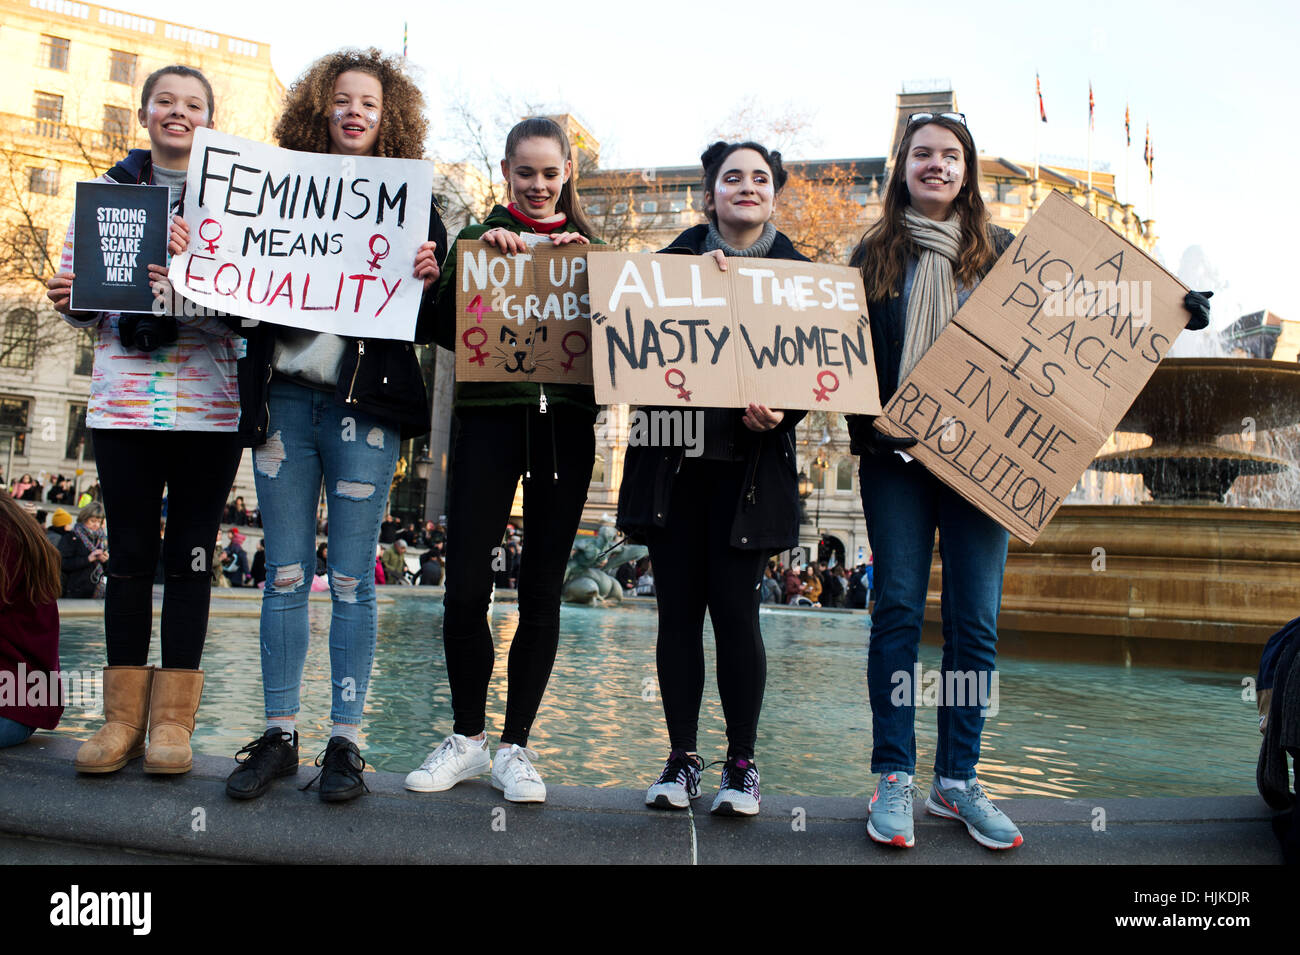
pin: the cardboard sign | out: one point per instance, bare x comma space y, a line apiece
311, 240
522, 317
675, 329
1020, 391
117, 233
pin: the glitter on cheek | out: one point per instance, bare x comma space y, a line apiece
372, 118
337, 117
951, 170
721, 190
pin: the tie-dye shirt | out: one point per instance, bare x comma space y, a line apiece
190, 385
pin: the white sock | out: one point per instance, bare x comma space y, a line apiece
946, 783
350, 733
287, 723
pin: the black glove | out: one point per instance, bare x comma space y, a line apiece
878, 443
1198, 308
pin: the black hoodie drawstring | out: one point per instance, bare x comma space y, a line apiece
528, 448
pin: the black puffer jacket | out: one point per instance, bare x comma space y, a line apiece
767, 511
888, 324
377, 375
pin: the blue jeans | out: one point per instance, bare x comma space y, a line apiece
12, 732
904, 504
312, 438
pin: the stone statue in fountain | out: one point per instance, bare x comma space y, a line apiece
585, 578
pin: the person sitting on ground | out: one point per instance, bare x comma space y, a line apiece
60, 524
430, 569
394, 561
235, 559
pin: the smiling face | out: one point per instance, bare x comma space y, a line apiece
177, 105
936, 170
537, 173
355, 112
743, 196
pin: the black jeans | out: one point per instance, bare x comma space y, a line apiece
198, 468
493, 448
696, 568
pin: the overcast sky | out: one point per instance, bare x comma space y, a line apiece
653, 80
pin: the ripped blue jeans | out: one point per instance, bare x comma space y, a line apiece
312, 438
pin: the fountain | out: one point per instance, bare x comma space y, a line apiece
1181, 579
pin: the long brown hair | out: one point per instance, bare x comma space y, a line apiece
540, 127
304, 124
885, 247
29, 564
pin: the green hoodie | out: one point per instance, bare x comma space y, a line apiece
477, 394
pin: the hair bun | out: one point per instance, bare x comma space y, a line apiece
713, 153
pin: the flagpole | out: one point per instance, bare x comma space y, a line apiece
1090, 142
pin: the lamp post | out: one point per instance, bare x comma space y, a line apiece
422, 466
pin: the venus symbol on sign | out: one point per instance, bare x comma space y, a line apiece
211, 240
374, 262
479, 354
679, 384
823, 391
573, 355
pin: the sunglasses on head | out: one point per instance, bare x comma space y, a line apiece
926, 117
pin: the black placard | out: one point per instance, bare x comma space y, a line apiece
118, 232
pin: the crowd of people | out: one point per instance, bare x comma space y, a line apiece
711, 521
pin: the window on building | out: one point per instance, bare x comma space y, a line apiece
677, 205
43, 181
77, 434
594, 209
13, 414
619, 208
649, 205
121, 67
844, 475
117, 128
30, 246
18, 345
84, 362
47, 108
54, 52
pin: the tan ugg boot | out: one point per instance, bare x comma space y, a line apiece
121, 738
172, 708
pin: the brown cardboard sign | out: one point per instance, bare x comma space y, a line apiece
522, 317
1020, 391
675, 329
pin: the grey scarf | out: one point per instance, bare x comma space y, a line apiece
933, 300
756, 251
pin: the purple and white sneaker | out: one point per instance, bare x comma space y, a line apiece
739, 793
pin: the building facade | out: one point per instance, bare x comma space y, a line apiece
67, 113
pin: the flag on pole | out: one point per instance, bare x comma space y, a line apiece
404, 25
1128, 136
1038, 86
1151, 164
1090, 104
1146, 154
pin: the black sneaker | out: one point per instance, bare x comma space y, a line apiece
272, 755
341, 767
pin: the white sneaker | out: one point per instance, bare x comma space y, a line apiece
678, 784
457, 759
514, 775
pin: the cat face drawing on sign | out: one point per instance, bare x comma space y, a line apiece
514, 351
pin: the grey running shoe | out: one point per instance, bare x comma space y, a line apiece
890, 821
987, 824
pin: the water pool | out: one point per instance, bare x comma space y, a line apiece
1062, 729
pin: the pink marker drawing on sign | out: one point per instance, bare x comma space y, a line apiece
477, 308
479, 354
374, 263
679, 384
211, 240
823, 391
573, 355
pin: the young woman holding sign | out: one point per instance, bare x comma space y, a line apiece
712, 521
163, 411
922, 259
505, 430
322, 408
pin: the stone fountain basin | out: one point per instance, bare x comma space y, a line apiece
1223, 393
1243, 462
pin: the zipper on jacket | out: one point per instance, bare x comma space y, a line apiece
266, 402
752, 494
361, 350
541, 398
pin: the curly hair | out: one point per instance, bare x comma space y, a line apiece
304, 124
